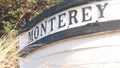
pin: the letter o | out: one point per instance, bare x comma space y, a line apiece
36, 32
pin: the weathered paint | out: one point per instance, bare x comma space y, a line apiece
100, 51
80, 36
92, 14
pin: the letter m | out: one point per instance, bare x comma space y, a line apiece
30, 37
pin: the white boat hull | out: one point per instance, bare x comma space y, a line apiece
101, 51
79, 34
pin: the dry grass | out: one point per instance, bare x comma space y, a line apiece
8, 51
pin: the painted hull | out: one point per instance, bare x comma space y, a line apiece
100, 51
82, 34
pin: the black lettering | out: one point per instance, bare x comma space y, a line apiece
61, 17
101, 8
36, 32
30, 36
51, 21
86, 14
72, 16
43, 27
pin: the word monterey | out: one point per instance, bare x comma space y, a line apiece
70, 18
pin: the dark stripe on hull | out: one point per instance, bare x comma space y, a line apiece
72, 32
56, 9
